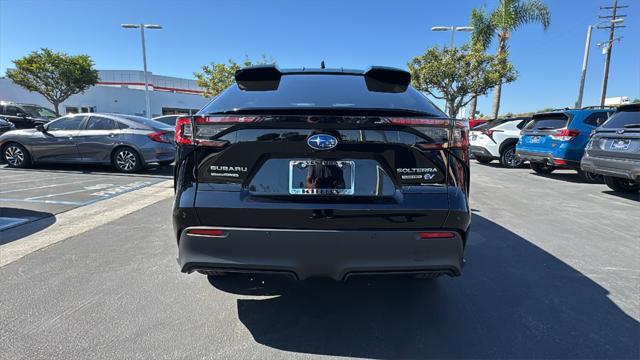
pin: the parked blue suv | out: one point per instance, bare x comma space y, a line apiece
557, 139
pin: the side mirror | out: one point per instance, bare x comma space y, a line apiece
22, 115
41, 128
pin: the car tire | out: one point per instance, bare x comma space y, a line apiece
509, 159
541, 168
590, 177
126, 160
622, 185
483, 159
16, 156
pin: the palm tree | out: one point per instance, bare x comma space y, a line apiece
508, 17
481, 37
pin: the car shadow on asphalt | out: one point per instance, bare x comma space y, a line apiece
151, 171
568, 176
18, 223
629, 196
514, 300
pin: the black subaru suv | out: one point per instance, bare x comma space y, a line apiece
321, 173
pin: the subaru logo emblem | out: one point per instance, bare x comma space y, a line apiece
621, 131
322, 142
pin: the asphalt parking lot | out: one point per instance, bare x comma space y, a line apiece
552, 272
27, 195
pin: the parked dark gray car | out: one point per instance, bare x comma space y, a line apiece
6, 125
128, 142
614, 150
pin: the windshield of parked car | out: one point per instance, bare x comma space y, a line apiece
547, 122
622, 118
321, 91
39, 112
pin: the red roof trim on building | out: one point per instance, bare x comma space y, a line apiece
163, 88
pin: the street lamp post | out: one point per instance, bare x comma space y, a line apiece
585, 58
453, 30
144, 59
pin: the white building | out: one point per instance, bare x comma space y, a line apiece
120, 91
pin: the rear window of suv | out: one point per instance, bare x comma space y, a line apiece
323, 91
547, 122
622, 118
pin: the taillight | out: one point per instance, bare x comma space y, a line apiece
160, 136
564, 134
489, 133
184, 131
442, 133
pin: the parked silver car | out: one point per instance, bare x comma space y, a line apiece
614, 150
127, 142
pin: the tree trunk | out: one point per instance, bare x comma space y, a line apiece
497, 92
55, 107
472, 107
452, 109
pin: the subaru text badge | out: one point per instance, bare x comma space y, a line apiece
322, 141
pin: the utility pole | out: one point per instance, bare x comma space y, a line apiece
609, 45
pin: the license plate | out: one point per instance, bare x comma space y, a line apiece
321, 177
535, 139
622, 144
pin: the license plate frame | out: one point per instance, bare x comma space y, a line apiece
620, 144
343, 168
535, 139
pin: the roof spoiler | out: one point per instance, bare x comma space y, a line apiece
258, 78
387, 79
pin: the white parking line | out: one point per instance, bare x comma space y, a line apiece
49, 186
53, 202
34, 180
91, 188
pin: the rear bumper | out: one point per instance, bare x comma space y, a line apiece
628, 169
320, 253
547, 158
481, 151
155, 152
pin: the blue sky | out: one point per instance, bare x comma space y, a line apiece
350, 34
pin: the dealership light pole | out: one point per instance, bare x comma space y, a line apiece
453, 30
585, 58
144, 58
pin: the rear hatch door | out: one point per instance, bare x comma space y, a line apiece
536, 135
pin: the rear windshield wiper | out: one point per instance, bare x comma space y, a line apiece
632, 126
546, 128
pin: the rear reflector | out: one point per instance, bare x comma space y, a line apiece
207, 232
559, 162
437, 235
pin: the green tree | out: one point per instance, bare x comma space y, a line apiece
216, 77
480, 41
509, 16
455, 74
55, 75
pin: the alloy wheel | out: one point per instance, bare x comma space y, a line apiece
511, 159
14, 155
126, 160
